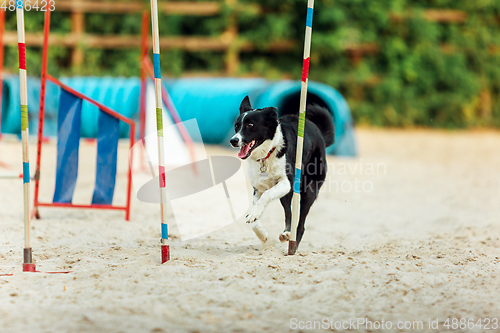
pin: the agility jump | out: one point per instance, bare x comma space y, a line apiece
70, 106
147, 72
2, 28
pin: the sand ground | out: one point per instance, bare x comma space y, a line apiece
408, 231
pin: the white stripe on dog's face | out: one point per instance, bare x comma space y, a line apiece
238, 135
244, 115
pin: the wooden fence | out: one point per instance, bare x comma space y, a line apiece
228, 42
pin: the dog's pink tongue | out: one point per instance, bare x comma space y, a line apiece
244, 151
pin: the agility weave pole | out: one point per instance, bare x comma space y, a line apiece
147, 70
165, 249
167, 101
2, 29
28, 265
10, 175
292, 243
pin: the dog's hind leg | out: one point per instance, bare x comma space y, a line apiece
306, 201
308, 196
312, 182
286, 202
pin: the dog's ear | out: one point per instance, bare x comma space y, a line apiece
245, 105
271, 113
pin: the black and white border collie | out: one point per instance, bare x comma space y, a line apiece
269, 143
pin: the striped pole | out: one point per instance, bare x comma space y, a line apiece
11, 175
2, 28
165, 249
143, 76
28, 265
292, 243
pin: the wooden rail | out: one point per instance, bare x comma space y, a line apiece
228, 42
445, 16
357, 51
132, 41
434, 15
179, 8
193, 8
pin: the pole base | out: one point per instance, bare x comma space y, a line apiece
165, 253
29, 268
292, 247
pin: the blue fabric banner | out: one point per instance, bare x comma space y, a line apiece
108, 133
68, 144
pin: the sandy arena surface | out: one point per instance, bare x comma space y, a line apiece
408, 231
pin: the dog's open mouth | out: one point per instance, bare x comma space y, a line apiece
246, 150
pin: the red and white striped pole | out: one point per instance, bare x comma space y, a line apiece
28, 265
292, 243
165, 249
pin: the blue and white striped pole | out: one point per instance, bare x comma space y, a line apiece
165, 249
292, 243
28, 265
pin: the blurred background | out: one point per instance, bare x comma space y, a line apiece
403, 63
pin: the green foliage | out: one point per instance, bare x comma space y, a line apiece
412, 80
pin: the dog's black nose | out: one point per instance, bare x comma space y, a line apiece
234, 142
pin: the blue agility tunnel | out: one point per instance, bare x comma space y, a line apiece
121, 94
215, 105
214, 102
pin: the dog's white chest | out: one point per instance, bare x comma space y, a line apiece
265, 175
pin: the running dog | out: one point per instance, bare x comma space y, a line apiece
269, 143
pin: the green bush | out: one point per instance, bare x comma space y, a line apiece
411, 81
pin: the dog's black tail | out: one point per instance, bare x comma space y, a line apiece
322, 118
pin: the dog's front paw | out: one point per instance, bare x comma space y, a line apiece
285, 236
255, 213
260, 231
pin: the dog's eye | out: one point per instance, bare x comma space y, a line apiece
250, 125
236, 127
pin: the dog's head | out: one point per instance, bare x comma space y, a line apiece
253, 127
